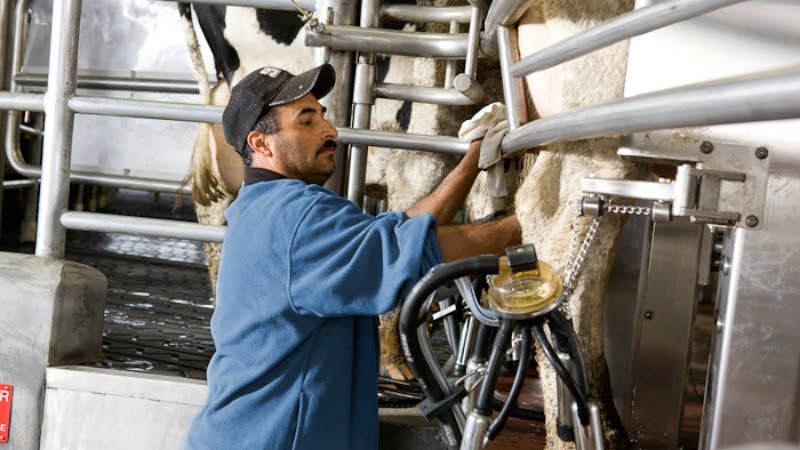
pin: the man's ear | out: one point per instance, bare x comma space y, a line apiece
258, 142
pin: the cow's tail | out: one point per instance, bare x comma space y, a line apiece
205, 188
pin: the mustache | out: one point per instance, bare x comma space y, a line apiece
330, 143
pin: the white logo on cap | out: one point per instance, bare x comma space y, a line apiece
270, 72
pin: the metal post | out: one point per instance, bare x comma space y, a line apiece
363, 99
59, 120
338, 101
5, 9
513, 89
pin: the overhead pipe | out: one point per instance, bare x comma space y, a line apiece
390, 42
757, 97
426, 14
275, 5
36, 80
422, 94
112, 223
625, 26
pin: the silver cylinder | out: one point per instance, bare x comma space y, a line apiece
19, 184
565, 399
427, 45
589, 437
116, 83
623, 27
422, 94
59, 119
363, 90
473, 47
474, 431
513, 88
468, 87
770, 96
146, 109
111, 223
684, 189
358, 156
21, 102
338, 101
426, 14
450, 65
387, 139
466, 342
505, 13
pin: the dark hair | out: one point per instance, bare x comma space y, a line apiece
266, 124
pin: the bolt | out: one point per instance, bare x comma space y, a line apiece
762, 153
726, 265
707, 147
649, 315
751, 221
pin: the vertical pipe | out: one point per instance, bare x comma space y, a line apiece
363, 98
513, 88
5, 13
450, 68
338, 102
475, 22
59, 120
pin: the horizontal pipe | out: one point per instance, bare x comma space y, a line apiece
404, 43
21, 102
115, 83
111, 223
426, 14
146, 109
622, 27
17, 184
759, 97
277, 5
420, 94
387, 139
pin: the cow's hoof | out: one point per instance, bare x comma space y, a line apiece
398, 371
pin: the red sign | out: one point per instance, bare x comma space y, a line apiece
5, 411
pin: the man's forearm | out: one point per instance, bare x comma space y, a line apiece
444, 202
464, 241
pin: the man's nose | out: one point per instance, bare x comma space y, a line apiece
331, 132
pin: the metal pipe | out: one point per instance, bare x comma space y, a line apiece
622, 27
21, 102
450, 65
116, 83
59, 120
501, 12
339, 101
18, 184
276, 5
439, 96
426, 14
474, 40
405, 43
112, 223
387, 139
5, 14
513, 88
759, 97
146, 109
358, 155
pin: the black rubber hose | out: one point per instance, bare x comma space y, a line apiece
483, 405
481, 351
564, 333
522, 370
561, 371
411, 318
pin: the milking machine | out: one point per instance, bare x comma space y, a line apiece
521, 293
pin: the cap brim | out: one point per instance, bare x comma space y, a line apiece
318, 81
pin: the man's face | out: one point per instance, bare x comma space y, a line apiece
304, 145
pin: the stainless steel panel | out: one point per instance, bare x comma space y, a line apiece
664, 324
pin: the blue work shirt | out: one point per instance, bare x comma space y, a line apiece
303, 276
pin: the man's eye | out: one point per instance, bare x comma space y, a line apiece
305, 123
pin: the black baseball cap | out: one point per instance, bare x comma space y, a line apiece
267, 87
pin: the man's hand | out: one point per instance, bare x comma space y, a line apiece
464, 241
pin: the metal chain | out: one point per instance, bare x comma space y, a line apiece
576, 256
625, 209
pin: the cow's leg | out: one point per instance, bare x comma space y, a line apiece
555, 178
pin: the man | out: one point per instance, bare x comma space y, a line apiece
304, 274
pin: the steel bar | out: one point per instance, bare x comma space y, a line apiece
513, 89
146, 109
501, 12
474, 40
116, 83
626, 26
426, 14
112, 223
771, 96
387, 139
18, 184
450, 65
404, 43
59, 120
21, 102
339, 101
439, 96
6, 9
276, 5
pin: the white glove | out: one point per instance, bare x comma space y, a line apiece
490, 124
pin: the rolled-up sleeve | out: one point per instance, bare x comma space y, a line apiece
346, 263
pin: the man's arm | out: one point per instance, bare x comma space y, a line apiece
464, 241
451, 193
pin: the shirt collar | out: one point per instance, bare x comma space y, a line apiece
254, 175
